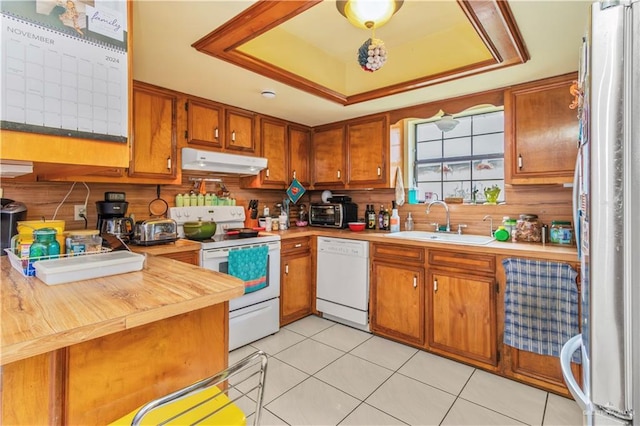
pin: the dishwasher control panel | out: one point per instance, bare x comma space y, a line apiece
343, 246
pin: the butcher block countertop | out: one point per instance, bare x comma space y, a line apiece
38, 318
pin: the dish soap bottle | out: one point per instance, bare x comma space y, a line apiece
408, 224
394, 220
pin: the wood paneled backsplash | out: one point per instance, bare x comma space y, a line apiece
551, 202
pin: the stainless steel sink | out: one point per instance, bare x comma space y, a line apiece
474, 240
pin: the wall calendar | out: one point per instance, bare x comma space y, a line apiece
65, 68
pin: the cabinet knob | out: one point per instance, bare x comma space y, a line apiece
379, 170
294, 174
215, 133
233, 136
298, 245
168, 163
435, 285
266, 173
415, 282
338, 174
286, 269
519, 161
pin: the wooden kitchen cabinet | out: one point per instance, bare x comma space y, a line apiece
397, 300
272, 134
299, 154
296, 284
461, 302
541, 132
239, 129
204, 123
328, 153
191, 257
368, 152
542, 371
153, 145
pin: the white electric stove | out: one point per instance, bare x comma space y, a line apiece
254, 315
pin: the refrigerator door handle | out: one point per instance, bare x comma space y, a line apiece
576, 201
572, 345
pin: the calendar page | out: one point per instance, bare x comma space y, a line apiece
64, 68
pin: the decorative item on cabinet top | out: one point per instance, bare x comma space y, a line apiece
220, 162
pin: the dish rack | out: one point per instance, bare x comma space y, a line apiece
25, 264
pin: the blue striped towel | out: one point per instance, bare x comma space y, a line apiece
250, 265
541, 306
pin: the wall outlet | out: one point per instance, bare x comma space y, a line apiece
79, 209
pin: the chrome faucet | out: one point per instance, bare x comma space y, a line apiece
490, 224
446, 208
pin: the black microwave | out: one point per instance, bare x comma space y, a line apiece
333, 215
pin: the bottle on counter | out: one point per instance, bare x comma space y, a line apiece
501, 234
408, 224
394, 220
179, 200
381, 218
386, 219
371, 218
193, 199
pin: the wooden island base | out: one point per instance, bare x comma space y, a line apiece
98, 381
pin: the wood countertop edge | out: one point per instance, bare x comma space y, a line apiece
193, 298
533, 250
178, 246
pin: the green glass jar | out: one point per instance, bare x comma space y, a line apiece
45, 245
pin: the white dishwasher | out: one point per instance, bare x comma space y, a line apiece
342, 280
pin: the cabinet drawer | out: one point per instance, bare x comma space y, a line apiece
470, 262
404, 254
296, 244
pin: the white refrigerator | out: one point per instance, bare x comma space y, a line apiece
607, 208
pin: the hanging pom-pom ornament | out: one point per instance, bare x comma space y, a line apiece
372, 55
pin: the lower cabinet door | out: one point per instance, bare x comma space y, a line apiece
463, 316
397, 302
295, 287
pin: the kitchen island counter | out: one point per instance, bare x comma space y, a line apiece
90, 351
38, 318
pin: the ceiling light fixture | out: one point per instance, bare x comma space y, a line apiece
368, 14
447, 123
269, 94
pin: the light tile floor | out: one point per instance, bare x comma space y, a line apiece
324, 373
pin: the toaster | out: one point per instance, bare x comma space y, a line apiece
154, 231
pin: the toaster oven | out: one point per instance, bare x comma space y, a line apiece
333, 215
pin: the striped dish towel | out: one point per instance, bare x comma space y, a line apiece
250, 265
541, 306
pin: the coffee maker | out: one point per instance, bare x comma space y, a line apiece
111, 216
10, 214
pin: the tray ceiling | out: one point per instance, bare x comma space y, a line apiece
310, 46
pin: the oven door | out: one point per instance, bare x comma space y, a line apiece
217, 259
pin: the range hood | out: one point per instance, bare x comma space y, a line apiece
220, 162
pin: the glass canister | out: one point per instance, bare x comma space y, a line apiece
83, 241
561, 232
528, 229
45, 245
509, 224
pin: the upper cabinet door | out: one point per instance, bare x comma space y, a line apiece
153, 148
239, 131
204, 122
328, 157
299, 155
541, 132
273, 141
368, 152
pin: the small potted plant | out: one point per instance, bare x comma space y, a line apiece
491, 194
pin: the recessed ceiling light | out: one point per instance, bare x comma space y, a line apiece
269, 94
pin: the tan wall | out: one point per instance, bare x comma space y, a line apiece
42, 198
